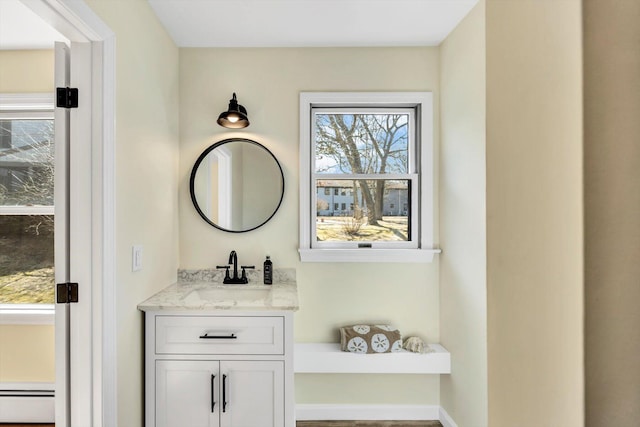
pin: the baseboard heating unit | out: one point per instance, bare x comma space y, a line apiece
27, 403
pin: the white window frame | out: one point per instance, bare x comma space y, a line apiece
422, 102
27, 106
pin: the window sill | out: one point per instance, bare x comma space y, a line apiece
27, 314
368, 255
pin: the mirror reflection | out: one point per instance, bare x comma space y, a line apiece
237, 185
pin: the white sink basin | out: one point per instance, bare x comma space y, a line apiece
231, 294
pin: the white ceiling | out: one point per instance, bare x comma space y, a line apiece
20, 28
270, 23
310, 23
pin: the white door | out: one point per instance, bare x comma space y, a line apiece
73, 231
61, 218
254, 393
86, 355
82, 253
187, 393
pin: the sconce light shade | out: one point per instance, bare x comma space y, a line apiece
235, 117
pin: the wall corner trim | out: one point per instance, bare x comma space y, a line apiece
445, 419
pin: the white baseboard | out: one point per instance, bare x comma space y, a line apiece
446, 420
333, 412
27, 403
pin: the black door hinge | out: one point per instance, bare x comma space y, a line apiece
67, 293
67, 97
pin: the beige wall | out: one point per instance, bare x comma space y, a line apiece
534, 213
534, 203
26, 351
612, 203
463, 273
268, 83
146, 179
26, 71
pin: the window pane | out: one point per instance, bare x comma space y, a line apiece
361, 143
26, 259
26, 162
374, 213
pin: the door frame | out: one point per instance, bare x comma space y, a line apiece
94, 357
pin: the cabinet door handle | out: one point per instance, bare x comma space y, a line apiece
213, 401
224, 393
218, 337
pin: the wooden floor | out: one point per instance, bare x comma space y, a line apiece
314, 424
368, 424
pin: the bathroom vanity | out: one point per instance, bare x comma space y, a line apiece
220, 355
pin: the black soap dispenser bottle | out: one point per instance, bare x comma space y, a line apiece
268, 271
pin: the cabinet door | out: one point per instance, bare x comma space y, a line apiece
187, 393
254, 393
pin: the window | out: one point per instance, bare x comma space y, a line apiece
26, 202
378, 148
327, 191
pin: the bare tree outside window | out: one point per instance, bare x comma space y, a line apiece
26, 163
365, 154
26, 182
363, 144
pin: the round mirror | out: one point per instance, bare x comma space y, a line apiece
237, 185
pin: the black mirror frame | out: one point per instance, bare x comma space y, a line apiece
195, 169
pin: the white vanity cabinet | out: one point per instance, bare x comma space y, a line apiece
222, 368
219, 393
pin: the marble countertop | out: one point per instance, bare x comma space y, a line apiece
201, 290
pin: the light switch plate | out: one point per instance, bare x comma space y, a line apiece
136, 259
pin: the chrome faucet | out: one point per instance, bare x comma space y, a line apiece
235, 280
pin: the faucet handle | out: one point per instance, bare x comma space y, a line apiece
244, 273
226, 267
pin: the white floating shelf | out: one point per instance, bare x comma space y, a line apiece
328, 358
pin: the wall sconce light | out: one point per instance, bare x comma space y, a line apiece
235, 117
